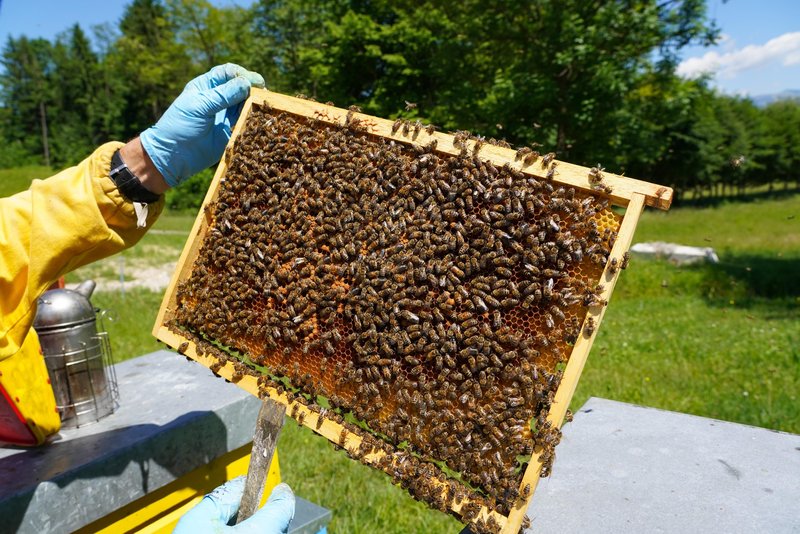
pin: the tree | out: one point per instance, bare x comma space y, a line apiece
781, 139
110, 88
557, 71
568, 65
27, 92
593, 80
213, 35
657, 139
294, 37
77, 114
155, 64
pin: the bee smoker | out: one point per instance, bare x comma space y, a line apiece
78, 357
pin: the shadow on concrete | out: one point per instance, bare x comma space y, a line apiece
196, 439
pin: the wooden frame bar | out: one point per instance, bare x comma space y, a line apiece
632, 194
580, 352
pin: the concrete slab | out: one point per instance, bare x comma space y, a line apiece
626, 468
173, 417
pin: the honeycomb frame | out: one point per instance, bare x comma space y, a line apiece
631, 194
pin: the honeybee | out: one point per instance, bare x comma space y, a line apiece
552, 171
497, 319
604, 188
522, 152
479, 140
596, 174
588, 328
216, 366
612, 265
625, 260
530, 158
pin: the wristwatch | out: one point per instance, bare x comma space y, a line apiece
127, 182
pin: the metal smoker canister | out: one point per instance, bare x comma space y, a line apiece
78, 357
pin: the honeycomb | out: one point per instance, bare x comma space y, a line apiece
434, 297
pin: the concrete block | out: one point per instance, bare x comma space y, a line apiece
173, 417
625, 468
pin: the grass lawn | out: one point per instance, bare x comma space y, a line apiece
714, 340
718, 341
667, 347
18, 179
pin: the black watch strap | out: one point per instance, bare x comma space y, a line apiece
128, 184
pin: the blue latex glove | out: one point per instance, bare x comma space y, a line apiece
211, 515
193, 132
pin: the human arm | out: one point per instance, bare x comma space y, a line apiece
59, 224
140, 164
79, 216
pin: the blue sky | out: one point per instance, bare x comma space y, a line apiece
758, 54
46, 18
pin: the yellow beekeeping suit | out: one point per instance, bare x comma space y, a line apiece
56, 226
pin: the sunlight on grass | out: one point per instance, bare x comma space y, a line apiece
671, 348
769, 226
130, 319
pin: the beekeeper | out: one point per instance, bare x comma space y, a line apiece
101, 206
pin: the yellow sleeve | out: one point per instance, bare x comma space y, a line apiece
56, 226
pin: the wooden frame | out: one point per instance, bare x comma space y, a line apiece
625, 192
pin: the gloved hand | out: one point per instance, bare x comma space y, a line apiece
193, 132
211, 515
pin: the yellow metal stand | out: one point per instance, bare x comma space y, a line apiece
160, 510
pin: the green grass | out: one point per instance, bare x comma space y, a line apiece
718, 340
663, 343
769, 227
362, 499
129, 320
18, 179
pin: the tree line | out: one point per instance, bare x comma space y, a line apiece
593, 81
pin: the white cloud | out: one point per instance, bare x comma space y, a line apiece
726, 42
784, 48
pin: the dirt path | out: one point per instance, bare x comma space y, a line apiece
152, 277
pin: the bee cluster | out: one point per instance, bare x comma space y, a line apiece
435, 297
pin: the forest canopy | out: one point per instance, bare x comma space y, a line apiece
593, 81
